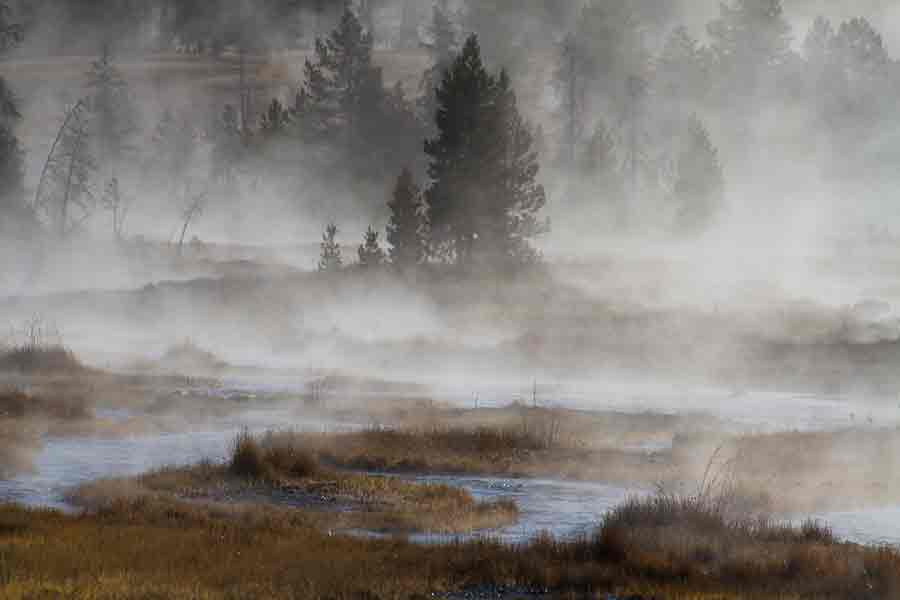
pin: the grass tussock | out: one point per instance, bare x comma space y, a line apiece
665, 547
270, 457
31, 360
64, 407
432, 450
272, 471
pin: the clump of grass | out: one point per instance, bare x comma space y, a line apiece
15, 404
190, 550
270, 457
433, 450
40, 360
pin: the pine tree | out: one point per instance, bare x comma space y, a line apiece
441, 50
334, 83
173, 148
571, 82
406, 231
370, 252
228, 148
484, 199
699, 186
599, 155
751, 39
16, 216
113, 109
14, 212
682, 68
330, 259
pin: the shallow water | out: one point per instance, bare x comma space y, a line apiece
562, 508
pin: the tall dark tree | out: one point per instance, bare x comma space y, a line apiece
173, 147
228, 147
15, 213
484, 199
683, 69
114, 113
699, 185
572, 82
344, 106
336, 82
407, 229
751, 41
442, 47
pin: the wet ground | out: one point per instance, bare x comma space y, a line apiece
562, 508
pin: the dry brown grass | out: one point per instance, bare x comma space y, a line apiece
270, 471
668, 547
40, 359
18, 405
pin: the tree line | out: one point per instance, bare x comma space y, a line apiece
631, 121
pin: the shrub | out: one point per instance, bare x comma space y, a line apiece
248, 458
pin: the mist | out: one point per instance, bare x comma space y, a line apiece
644, 235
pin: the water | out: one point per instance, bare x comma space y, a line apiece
562, 508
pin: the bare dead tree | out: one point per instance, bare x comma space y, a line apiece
65, 183
117, 204
193, 209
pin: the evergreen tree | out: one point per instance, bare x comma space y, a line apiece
406, 231
228, 147
16, 216
344, 102
370, 252
113, 109
484, 199
699, 185
173, 148
682, 70
571, 80
335, 83
751, 40
330, 259
599, 156
441, 49
14, 212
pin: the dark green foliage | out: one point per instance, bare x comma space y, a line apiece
330, 259
344, 103
370, 252
407, 229
750, 40
172, 148
699, 185
484, 200
441, 49
114, 113
228, 148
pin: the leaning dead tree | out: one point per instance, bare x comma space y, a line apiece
192, 210
117, 204
63, 194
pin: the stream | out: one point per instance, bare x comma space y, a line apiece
562, 508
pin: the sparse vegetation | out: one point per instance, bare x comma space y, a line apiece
36, 347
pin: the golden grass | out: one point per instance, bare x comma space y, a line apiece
271, 472
661, 548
